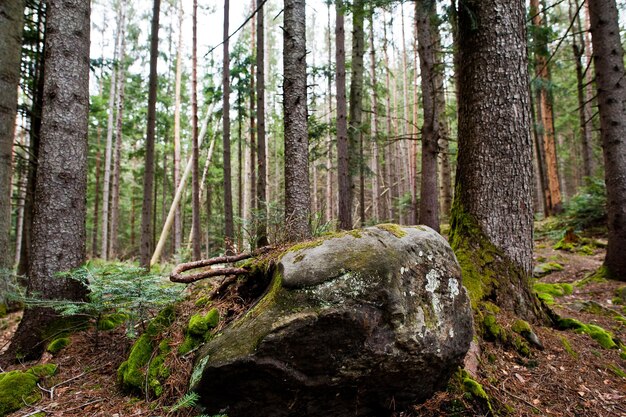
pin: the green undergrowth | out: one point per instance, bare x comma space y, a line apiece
19, 388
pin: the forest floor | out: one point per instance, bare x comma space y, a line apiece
572, 376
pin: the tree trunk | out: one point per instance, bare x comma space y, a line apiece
491, 229
261, 186
11, 16
22, 184
444, 129
343, 157
425, 15
297, 188
251, 204
60, 207
108, 153
178, 230
608, 59
355, 128
375, 149
329, 201
229, 227
390, 145
545, 113
195, 174
117, 156
145, 248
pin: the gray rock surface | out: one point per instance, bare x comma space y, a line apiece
358, 324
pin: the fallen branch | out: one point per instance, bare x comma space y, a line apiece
177, 273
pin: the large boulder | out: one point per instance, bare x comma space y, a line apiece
357, 324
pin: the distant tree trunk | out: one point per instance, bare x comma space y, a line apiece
22, 184
608, 59
330, 204
229, 227
425, 15
392, 189
375, 149
297, 193
355, 128
195, 174
145, 248
108, 153
117, 156
11, 16
491, 228
261, 186
178, 230
60, 207
97, 195
253, 160
408, 146
584, 102
545, 113
444, 130
344, 183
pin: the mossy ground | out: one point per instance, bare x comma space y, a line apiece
19, 388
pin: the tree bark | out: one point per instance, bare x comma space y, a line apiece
491, 229
11, 17
297, 188
60, 207
392, 189
608, 59
343, 157
145, 248
261, 186
375, 148
229, 227
195, 174
178, 230
425, 15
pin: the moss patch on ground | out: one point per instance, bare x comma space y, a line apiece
597, 333
547, 292
19, 388
58, 344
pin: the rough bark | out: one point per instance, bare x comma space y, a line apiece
252, 160
11, 16
444, 130
330, 204
545, 114
608, 59
392, 189
145, 247
375, 148
261, 186
355, 128
425, 15
491, 229
229, 227
297, 188
178, 231
60, 208
195, 174
343, 157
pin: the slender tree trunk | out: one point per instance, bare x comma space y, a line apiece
229, 230
375, 149
545, 114
297, 192
444, 129
407, 145
330, 204
261, 186
60, 206
23, 183
343, 156
425, 15
178, 230
253, 160
491, 229
117, 156
194, 129
389, 154
11, 17
145, 248
608, 59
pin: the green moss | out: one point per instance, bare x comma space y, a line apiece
130, 373
585, 250
111, 321
199, 324
622, 354
3, 310
18, 388
202, 301
568, 347
617, 370
573, 324
474, 389
392, 228
601, 336
546, 298
546, 268
492, 329
58, 344
306, 245
157, 371
555, 290
490, 307
602, 274
162, 321
521, 346
44, 370
521, 327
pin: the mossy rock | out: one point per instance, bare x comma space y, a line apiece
132, 372
521, 327
555, 290
492, 330
546, 298
58, 344
199, 324
392, 228
111, 321
19, 388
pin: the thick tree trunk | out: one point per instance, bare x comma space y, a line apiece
229, 227
344, 183
491, 230
425, 14
297, 192
608, 59
195, 174
11, 16
178, 230
60, 207
261, 186
145, 248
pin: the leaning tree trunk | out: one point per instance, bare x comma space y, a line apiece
608, 59
11, 16
145, 247
425, 14
492, 219
297, 190
60, 208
